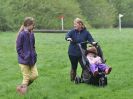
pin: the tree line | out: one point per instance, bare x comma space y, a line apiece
47, 13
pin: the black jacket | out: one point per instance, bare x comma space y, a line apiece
78, 37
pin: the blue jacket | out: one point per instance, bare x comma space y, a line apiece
25, 46
78, 37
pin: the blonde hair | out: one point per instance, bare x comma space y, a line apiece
79, 21
27, 22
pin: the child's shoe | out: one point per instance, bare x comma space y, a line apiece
22, 89
107, 71
30, 82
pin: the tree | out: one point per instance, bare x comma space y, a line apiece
4, 24
124, 7
98, 12
45, 12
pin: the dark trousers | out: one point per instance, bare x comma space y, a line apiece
74, 62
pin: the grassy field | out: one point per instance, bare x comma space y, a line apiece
53, 66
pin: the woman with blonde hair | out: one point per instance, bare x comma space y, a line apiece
77, 35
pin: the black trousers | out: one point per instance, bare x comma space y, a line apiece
74, 62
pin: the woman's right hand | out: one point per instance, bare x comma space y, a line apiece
69, 39
94, 43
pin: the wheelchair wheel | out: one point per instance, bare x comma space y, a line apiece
102, 81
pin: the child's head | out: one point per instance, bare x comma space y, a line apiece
92, 50
29, 23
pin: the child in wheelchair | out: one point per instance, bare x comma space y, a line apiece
96, 63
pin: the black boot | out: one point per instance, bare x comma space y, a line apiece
30, 82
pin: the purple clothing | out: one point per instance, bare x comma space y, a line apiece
98, 67
25, 46
96, 63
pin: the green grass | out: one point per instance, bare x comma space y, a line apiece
53, 67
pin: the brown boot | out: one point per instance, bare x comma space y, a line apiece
22, 89
72, 75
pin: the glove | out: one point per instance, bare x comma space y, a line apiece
94, 43
69, 39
